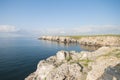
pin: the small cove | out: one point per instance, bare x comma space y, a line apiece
20, 56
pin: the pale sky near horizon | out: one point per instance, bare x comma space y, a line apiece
63, 17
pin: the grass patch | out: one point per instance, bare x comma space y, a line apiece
75, 37
115, 52
45, 78
85, 61
80, 36
68, 58
118, 55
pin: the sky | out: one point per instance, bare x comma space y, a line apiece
59, 17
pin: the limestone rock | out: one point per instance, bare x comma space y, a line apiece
101, 71
59, 39
100, 41
88, 41
66, 72
102, 64
61, 55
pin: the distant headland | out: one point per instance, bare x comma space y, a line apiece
93, 40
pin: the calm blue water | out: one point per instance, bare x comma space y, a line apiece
19, 57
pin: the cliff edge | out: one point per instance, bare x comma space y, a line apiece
86, 40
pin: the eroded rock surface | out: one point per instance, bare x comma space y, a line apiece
100, 41
59, 39
102, 64
88, 41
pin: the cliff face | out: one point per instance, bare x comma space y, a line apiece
102, 64
100, 41
59, 39
90, 41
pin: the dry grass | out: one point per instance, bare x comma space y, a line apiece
80, 36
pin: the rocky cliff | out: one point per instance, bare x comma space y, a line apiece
59, 39
89, 41
102, 64
100, 41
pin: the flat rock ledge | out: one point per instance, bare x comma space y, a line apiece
88, 41
102, 64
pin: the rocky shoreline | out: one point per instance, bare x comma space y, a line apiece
88, 41
100, 41
102, 64
59, 39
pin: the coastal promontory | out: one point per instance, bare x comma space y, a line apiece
105, 40
101, 64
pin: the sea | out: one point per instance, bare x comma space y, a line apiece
19, 56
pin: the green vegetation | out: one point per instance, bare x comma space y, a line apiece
115, 53
118, 55
45, 78
68, 58
85, 61
80, 36
75, 37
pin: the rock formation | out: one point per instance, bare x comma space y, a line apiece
102, 64
100, 41
88, 41
59, 39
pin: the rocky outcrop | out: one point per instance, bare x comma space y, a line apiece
102, 64
105, 68
88, 41
59, 39
100, 41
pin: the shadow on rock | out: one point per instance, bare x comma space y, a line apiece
111, 73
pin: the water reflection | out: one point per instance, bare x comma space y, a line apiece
59, 43
89, 48
81, 47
